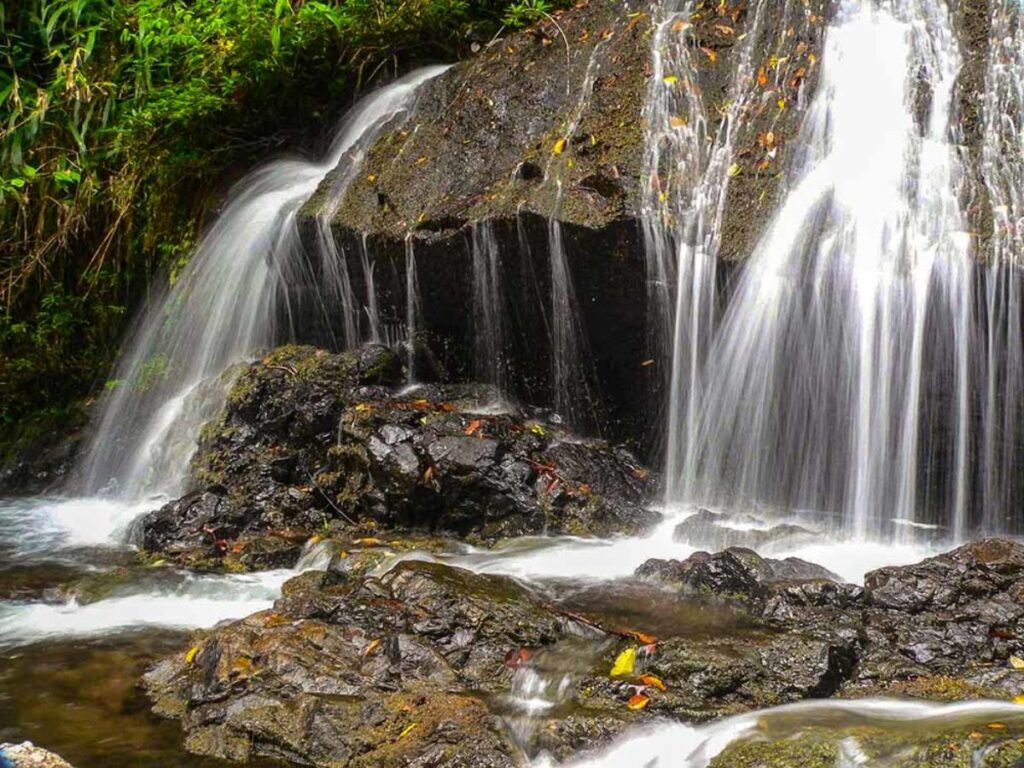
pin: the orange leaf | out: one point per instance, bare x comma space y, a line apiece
374, 644
654, 682
639, 701
762, 77
368, 542
712, 56
474, 425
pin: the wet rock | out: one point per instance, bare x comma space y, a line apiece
27, 755
955, 614
310, 438
364, 671
716, 531
736, 572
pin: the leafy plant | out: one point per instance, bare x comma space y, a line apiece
122, 122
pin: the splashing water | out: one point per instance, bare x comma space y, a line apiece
226, 305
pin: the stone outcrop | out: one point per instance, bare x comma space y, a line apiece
309, 439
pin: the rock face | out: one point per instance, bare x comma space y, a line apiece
309, 438
540, 138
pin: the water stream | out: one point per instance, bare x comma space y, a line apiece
850, 381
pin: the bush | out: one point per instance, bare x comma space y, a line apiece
123, 121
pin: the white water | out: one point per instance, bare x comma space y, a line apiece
583, 559
854, 300
71, 532
675, 745
225, 307
488, 305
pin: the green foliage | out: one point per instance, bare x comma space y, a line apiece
123, 121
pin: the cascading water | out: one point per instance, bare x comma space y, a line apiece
687, 172
854, 301
572, 374
488, 305
1003, 172
223, 308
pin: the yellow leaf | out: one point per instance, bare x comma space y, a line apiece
1017, 662
407, 730
420, 160
624, 663
997, 726
677, 122
712, 56
781, 103
537, 429
639, 701
671, 79
1018, 699
371, 647
662, 197
735, 170
559, 147
191, 655
371, 178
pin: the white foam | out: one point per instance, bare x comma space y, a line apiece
197, 602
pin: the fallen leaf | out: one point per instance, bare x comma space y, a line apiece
646, 363
735, 170
654, 682
638, 701
191, 655
677, 122
374, 644
559, 147
680, 26
1017, 662
1018, 699
643, 637
369, 541
781, 103
997, 726
624, 663
762, 77
407, 730
473, 426
712, 56
670, 79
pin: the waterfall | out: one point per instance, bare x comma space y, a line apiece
572, 374
413, 311
224, 307
686, 172
1003, 172
854, 302
488, 305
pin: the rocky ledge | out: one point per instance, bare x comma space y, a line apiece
430, 664
310, 440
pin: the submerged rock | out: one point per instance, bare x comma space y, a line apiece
27, 755
735, 572
715, 531
309, 438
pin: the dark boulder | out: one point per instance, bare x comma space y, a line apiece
308, 439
